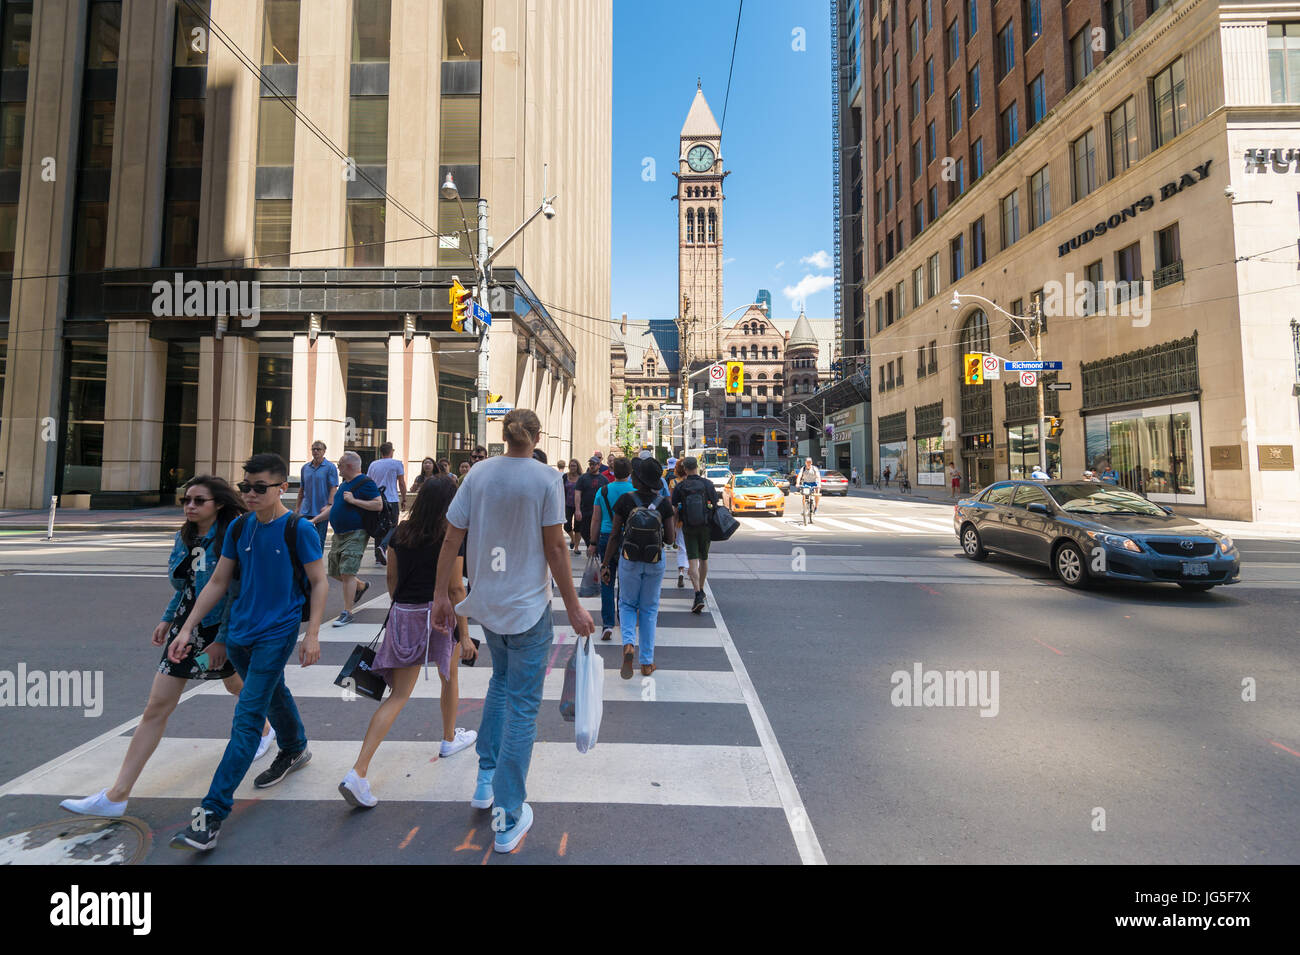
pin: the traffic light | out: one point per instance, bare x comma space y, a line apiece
1053, 426
735, 377
460, 297
974, 369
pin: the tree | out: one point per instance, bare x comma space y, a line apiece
626, 437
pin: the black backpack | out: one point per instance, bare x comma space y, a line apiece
300, 577
695, 509
378, 523
643, 532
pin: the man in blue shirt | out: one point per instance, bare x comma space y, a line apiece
316, 487
261, 635
602, 524
356, 493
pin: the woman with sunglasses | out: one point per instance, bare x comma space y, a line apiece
210, 505
411, 639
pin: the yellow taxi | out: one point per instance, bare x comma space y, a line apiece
752, 493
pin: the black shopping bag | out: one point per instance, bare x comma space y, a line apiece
357, 675
721, 524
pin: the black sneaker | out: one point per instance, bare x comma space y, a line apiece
380, 559
699, 602
284, 765
198, 839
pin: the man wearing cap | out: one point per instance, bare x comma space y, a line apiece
585, 498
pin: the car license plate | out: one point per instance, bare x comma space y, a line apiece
1196, 568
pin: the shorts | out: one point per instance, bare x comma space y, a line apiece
346, 553
697, 541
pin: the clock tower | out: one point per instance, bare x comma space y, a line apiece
699, 234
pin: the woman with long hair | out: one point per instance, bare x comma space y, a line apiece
428, 468
211, 505
570, 489
411, 639
679, 475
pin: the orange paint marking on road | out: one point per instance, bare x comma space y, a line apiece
564, 844
1049, 646
409, 836
467, 844
521, 844
929, 590
1287, 748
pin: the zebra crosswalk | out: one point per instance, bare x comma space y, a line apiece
692, 738
841, 522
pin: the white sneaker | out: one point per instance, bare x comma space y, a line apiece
356, 790
264, 745
96, 805
463, 738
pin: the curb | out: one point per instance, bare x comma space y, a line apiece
136, 528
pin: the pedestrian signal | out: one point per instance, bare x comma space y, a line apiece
974, 369
1053, 427
735, 377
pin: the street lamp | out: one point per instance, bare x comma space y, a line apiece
483, 269
1035, 323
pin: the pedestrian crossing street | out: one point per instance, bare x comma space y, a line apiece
688, 737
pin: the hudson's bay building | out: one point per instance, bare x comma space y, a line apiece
1132, 167
294, 149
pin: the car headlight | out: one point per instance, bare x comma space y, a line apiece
1116, 540
1225, 543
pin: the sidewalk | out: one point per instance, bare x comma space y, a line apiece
66, 519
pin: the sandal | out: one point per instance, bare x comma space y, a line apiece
365, 585
647, 669
629, 654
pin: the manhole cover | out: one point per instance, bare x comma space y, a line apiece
78, 842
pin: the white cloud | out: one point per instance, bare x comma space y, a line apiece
818, 260
806, 286
779, 264
728, 261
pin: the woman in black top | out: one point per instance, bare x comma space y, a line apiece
428, 468
410, 638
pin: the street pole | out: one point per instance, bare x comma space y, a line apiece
1038, 348
485, 331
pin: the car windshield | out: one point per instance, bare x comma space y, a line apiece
1090, 498
754, 480
717, 473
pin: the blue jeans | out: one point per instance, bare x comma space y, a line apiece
639, 586
608, 611
264, 697
509, 724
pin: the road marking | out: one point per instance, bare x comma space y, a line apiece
1287, 748
810, 850
886, 526
754, 524
1048, 645
821, 519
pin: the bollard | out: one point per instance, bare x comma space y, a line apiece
49, 530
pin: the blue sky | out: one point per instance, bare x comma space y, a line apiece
776, 140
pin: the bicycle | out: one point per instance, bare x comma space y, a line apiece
807, 491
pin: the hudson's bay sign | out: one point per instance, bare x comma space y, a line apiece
1167, 191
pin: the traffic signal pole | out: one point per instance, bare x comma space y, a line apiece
1042, 424
485, 331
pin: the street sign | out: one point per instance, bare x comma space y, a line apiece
1028, 379
1060, 386
498, 410
717, 375
992, 369
801, 422
670, 406
1033, 366
480, 314
449, 241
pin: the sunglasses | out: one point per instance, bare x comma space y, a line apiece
258, 488
197, 500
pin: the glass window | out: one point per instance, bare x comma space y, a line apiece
1283, 62
180, 233
1122, 123
365, 232
273, 403
459, 130
972, 19
1169, 101
957, 258
275, 132
913, 39
934, 203
1033, 21
917, 164
999, 495
1083, 163
929, 77
954, 113
8, 241
973, 83
368, 130
105, 29
12, 117
1128, 268
280, 32
977, 243
1040, 198
1037, 99
90, 236
370, 31
191, 30
16, 35
83, 427
272, 219
914, 100
1009, 127
1081, 54
1119, 14
932, 288
931, 147
1010, 206
1022, 458
1093, 288
98, 118
1154, 451
977, 160
185, 138
954, 43
1168, 250
918, 286
929, 20
918, 218
1006, 49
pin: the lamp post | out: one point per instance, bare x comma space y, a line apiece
483, 269
1037, 326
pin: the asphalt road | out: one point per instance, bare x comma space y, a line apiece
1120, 732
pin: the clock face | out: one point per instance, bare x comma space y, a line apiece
700, 158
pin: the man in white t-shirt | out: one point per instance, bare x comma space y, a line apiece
390, 475
511, 510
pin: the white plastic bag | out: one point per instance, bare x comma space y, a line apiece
590, 694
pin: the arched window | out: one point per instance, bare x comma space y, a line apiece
753, 353
733, 351
764, 351
713, 190
690, 225
733, 445
756, 445
713, 221
776, 390
699, 216
775, 354
762, 376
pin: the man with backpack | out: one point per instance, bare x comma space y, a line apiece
643, 520
356, 497
694, 499
602, 529
276, 557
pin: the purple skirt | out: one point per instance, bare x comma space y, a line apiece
411, 639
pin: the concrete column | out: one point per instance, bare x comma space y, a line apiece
133, 408
319, 398
319, 189
43, 242
412, 400
556, 416
543, 406
414, 78
135, 197
227, 393
566, 422
504, 371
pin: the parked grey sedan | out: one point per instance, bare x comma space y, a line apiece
1087, 531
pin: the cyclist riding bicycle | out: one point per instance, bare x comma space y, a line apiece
810, 476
